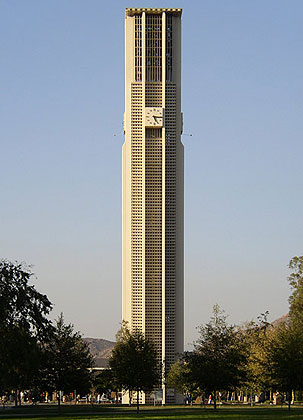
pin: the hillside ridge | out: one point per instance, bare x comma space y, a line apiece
101, 350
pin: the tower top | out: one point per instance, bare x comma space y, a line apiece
151, 11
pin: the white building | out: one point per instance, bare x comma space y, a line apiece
153, 172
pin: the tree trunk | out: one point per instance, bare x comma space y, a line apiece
16, 398
289, 399
137, 401
59, 401
215, 400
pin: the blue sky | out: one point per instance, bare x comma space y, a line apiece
61, 107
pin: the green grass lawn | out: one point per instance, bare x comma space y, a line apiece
149, 413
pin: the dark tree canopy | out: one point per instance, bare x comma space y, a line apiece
284, 345
218, 362
179, 377
67, 360
134, 362
285, 357
24, 324
21, 305
20, 357
105, 382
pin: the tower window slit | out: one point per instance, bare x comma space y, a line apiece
153, 40
169, 48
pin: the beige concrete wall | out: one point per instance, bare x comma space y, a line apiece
180, 192
127, 183
126, 175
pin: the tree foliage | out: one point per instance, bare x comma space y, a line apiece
218, 362
284, 350
255, 336
21, 305
179, 377
20, 358
134, 362
24, 324
106, 382
296, 283
67, 360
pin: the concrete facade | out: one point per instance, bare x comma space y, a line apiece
153, 185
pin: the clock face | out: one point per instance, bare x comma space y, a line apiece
154, 117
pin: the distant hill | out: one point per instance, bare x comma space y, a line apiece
100, 349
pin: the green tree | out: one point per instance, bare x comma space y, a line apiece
134, 362
21, 304
218, 362
255, 337
178, 377
284, 347
67, 360
24, 324
285, 358
105, 382
296, 283
20, 357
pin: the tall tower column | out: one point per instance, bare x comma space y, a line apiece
153, 172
